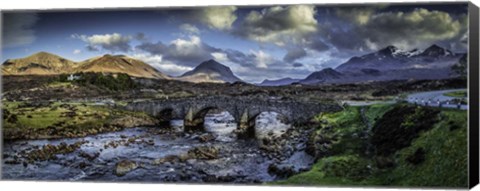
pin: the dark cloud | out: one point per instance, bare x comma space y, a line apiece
279, 25
140, 36
417, 28
294, 54
186, 52
91, 48
17, 29
157, 48
317, 45
239, 57
296, 64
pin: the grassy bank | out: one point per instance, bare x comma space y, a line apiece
456, 94
33, 120
435, 157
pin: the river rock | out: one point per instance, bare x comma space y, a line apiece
132, 121
318, 144
269, 125
203, 152
167, 159
206, 138
281, 170
125, 166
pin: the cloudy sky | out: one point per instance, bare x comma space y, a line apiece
255, 42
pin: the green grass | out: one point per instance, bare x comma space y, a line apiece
374, 112
60, 84
37, 120
456, 94
446, 155
334, 170
42, 117
445, 147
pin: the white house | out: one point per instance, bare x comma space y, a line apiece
73, 77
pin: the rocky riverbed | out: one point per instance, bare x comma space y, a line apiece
161, 154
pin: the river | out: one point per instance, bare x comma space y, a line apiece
239, 160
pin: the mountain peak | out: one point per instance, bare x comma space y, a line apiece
325, 75
434, 46
44, 54
210, 71
210, 63
436, 50
389, 50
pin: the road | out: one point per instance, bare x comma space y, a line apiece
429, 98
435, 99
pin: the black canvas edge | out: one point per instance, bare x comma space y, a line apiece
1, 108
473, 83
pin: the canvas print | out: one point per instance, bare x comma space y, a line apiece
317, 95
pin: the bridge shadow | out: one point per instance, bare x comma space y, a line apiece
165, 116
196, 123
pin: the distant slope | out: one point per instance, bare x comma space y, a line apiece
41, 63
279, 82
120, 64
391, 63
325, 75
210, 71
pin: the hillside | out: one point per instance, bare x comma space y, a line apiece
120, 64
210, 71
43, 63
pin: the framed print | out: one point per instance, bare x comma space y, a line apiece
350, 95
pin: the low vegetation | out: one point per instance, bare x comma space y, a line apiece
457, 94
115, 82
32, 120
429, 148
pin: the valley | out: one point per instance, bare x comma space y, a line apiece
115, 118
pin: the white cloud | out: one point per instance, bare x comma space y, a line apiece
262, 59
280, 25
220, 56
162, 65
77, 51
191, 29
187, 46
218, 17
183, 51
18, 29
114, 42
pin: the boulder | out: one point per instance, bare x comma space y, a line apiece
206, 138
203, 152
281, 170
169, 158
125, 166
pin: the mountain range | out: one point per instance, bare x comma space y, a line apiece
389, 63
43, 63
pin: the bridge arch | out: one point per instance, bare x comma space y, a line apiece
243, 109
165, 115
194, 121
249, 127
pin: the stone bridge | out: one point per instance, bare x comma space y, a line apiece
243, 109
